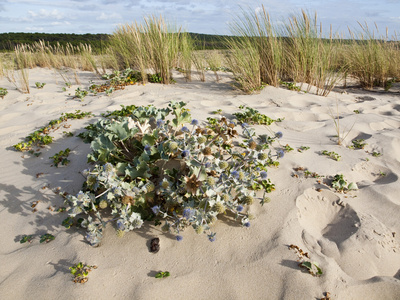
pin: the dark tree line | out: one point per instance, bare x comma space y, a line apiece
98, 42
9, 40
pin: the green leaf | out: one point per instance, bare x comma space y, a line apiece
67, 223
26, 238
352, 186
318, 268
149, 139
162, 274
45, 238
307, 264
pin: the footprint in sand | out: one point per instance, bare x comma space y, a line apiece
361, 245
322, 216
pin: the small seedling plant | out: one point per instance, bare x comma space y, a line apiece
290, 86
287, 148
160, 164
311, 267
358, 144
61, 157
303, 148
3, 92
80, 271
341, 185
40, 85
162, 274
376, 154
250, 115
217, 112
46, 238
26, 239
41, 137
80, 94
331, 154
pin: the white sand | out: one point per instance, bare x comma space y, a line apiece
354, 237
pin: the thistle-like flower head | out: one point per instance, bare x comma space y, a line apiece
192, 184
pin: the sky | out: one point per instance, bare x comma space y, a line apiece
200, 16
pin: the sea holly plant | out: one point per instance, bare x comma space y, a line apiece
162, 164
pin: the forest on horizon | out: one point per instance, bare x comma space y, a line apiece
98, 42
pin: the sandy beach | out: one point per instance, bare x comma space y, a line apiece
353, 237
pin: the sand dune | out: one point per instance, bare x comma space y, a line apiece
353, 237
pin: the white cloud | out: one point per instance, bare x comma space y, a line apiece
36, 29
60, 23
113, 16
46, 14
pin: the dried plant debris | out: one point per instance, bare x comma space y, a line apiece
327, 296
300, 253
311, 267
155, 245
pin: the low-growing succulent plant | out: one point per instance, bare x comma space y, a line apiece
160, 164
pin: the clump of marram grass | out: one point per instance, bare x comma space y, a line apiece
262, 52
256, 52
372, 59
310, 56
154, 45
154, 164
